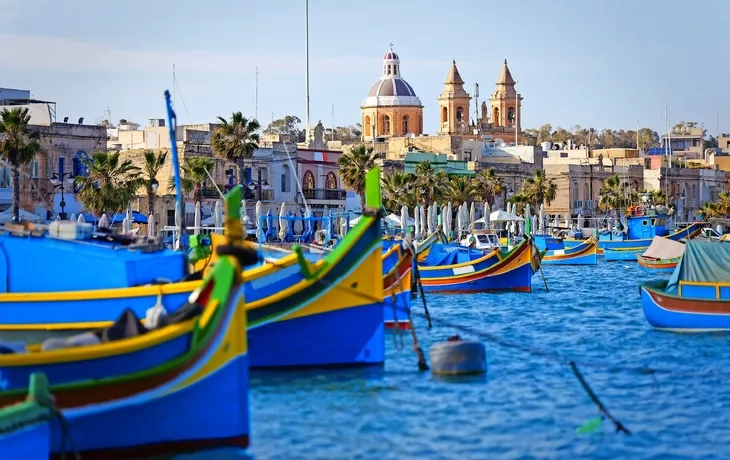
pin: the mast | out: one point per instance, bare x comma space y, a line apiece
306, 46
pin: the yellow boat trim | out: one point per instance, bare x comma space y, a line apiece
515, 263
101, 294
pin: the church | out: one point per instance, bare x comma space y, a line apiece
392, 108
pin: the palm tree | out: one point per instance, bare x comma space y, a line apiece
539, 189
194, 176
459, 190
490, 185
236, 141
614, 194
353, 167
152, 165
520, 200
398, 190
18, 146
710, 210
429, 183
109, 184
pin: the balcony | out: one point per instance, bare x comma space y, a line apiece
258, 195
324, 194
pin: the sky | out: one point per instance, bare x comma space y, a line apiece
583, 62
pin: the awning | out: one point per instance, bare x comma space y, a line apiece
664, 248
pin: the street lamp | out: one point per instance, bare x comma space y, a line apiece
154, 185
61, 178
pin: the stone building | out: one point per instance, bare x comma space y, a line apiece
391, 107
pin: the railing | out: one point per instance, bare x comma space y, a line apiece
258, 195
324, 194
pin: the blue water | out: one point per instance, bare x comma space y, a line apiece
526, 407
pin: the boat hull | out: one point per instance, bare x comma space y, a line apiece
513, 273
614, 255
583, 254
28, 442
671, 312
658, 265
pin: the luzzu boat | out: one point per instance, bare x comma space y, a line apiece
585, 253
25, 427
697, 296
454, 269
663, 255
641, 230
193, 366
397, 282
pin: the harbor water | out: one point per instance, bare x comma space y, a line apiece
527, 406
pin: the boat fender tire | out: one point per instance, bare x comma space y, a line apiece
319, 237
245, 255
458, 357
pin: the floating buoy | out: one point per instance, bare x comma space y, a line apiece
458, 357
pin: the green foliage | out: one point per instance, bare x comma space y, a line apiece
193, 176
489, 185
288, 125
353, 167
152, 164
110, 184
429, 183
236, 140
18, 146
398, 190
539, 189
460, 189
616, 195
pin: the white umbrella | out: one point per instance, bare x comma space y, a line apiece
104, 221
424, 225
556, 221
568, 224
472, 217
298, 223
404, 217
542, 218
151, 226
534, 225
417, 222
450, 217
459, 221
244, 214
218, 215
73, 217
528, 216
126, 225
429, 220
487, 211
580, 221
282, 222
259, 226
81, 219
197, 224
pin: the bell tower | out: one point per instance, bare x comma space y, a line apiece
454, 104
505, 104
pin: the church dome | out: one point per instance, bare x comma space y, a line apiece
391, 90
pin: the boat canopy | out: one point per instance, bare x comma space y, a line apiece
704, 262
664, 248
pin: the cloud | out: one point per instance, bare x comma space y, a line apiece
54, 54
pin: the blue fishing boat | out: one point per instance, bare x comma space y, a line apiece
641, 229
25, 427
697, 296
191, 366
457, 269
397, 283
556, 253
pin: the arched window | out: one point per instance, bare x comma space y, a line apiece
459, 114
586, 192
80, 168
576, 195
285, 178
444, 115
386, 124
330, 182
405, 124
308, 182
366, 126
511, 114
388, 69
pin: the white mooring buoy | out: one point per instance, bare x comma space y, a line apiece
458, 357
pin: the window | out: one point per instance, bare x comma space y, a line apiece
459, 114
444, 115
34, 169
386, 124
653, 221
644, 222
285, 178
586, 192
308, 182
367, 129
576, 195
405, 124
79, 168
331, 181
388, 69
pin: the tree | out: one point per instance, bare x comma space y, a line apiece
398, 190
615, 194
152, 165
648, 139
348, 134
109, 184
288, 125
236, 141
539, 189
490, 185
353, 167
459, 190
545, 133
520, 200
194, 176
18, 146
428, 183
